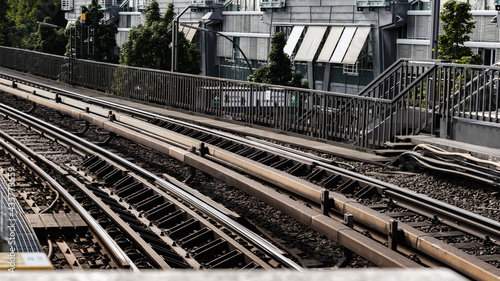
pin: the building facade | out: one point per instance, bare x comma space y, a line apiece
338, 45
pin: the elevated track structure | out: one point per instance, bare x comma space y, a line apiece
329, 196
409, 98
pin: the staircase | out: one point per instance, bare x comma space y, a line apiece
429, 96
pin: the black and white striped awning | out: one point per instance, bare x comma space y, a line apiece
343, 44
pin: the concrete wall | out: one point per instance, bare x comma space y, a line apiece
476, 132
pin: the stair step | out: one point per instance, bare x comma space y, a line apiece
399, 145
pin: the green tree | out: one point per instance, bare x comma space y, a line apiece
25, 14
50, 39
5, 24
189, 55
148, 45
153, 13
280, 68
105, 32
457, 24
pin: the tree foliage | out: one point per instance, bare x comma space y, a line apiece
148, 44
49, 39
457, 25
5, 24
279, 71
105, 32
25, 14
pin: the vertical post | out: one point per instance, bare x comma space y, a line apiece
175, 30
81, 40
70, 54
88, 40
325, 198
82, 22
93, 41
433, 48
392, 241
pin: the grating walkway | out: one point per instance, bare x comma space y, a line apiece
16, 232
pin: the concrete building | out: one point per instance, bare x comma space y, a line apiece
338, 45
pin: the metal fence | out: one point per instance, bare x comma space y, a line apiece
396, 78
406, 99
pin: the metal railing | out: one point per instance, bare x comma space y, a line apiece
396, 78
409, 98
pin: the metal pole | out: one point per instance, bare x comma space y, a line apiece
48, 24
218, 33
175, 35
70, 62
433, 48
81, 40
175, 32
88, 40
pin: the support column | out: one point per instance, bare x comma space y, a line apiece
326, 77
310, 74
433, 48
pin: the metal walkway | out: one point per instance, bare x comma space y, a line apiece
15, 230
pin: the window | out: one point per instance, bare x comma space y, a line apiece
420, 5
67, 5
488, 56
266, 4
129, 21
351, 69
286, 29
236, 51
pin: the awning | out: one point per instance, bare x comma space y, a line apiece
293, 39
357, 43
330, 43
310, 44
342, 45
189, 32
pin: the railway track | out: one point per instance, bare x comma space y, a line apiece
75, 239
143, 216
318, 184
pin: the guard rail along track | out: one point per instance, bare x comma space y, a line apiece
411, 96
400, 237
170, 233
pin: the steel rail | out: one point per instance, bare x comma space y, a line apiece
118, 253
261, 243
418, 239
272, 149
480, 221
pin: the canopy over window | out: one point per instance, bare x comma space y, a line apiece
343, 44
293, 39
310, 44
189, 32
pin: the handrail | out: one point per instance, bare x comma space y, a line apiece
415, 82
375, 82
